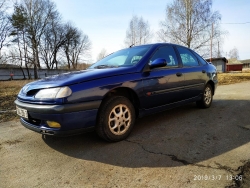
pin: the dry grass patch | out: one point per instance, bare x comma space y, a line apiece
8, 93
231, 78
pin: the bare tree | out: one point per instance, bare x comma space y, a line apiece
14, 57
138, 32
52, 41
191, 23
36, 16
42, 39
102, 54
5, 25
233, 54
77, 46
24, 55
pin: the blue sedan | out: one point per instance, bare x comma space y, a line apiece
112, 93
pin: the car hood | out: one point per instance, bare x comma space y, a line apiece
75, 77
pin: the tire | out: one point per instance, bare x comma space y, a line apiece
207, 97
116, 119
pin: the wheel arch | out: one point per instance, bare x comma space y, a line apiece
126, 92
211, 83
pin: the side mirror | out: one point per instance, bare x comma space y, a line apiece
160, 62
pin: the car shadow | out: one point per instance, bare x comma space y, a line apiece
181, 136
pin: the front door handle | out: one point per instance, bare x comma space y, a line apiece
178, 74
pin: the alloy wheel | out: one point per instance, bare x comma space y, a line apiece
119, 119
207, 95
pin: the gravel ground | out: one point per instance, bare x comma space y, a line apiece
182, 147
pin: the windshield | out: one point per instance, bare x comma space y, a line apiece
122, 58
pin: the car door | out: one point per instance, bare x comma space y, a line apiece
194, 73
163, 85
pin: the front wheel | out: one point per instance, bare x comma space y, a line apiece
115, 119
207, 97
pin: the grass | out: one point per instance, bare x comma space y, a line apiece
232, 78
8, 93
10, 89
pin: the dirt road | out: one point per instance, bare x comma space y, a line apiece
183, 147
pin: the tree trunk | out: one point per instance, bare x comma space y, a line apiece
24, 77
35, 72
27, 69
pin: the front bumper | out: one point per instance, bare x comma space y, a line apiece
73, 118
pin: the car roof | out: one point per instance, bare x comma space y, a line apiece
159, 44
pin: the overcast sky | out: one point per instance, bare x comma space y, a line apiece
106, 21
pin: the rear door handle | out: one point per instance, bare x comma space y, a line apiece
203, 71
178, 74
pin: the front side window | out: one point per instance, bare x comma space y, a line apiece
188, 59
167, 53
122, 58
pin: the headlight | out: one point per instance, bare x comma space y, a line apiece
52, 93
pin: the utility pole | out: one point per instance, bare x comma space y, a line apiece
218, 49
211, 53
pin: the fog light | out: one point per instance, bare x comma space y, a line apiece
53, 124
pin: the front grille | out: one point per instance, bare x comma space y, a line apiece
32, 92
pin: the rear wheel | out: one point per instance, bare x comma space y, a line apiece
207, 97
116, 119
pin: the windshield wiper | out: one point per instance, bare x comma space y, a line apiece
105, 66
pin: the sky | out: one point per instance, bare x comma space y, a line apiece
106, 21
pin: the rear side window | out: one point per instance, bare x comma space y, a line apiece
201, 60
188, 59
